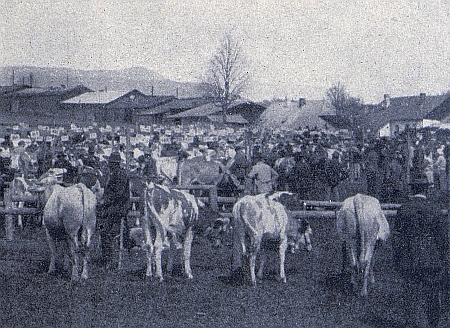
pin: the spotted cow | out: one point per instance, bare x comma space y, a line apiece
360, 222
172, 213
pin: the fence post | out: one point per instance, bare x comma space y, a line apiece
213, 198
122, 226
9, 222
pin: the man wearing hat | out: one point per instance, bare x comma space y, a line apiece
116, 203
421, 247
239, 165
149, 169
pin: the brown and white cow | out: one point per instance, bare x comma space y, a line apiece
255, 217
67, 212
173, 213
360, 222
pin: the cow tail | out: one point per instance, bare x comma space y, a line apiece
84, 225
155, 216
360, 235
237, 215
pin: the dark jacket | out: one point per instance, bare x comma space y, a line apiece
420, 241
117, 194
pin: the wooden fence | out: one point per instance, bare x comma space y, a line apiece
310, 209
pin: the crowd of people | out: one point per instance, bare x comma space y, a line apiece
316, 165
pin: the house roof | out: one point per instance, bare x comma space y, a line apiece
203, 110
282, 114
442, 110
8, 89
53, 91
97, 97
410, 108
175, 105
232, 118
338, 121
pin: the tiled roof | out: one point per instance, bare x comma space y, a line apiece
233, 118
282, 114
175, 105
99, 97
203, 110
57, 91
410, 108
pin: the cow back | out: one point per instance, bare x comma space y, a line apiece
261, 215
174, 209
198, 170
362, 215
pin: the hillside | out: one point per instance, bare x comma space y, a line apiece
126, 79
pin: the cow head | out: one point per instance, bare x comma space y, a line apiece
303, 236
137, 237
217, 230
98, 191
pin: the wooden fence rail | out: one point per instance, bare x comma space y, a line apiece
309, 208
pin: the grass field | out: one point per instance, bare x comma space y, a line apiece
313, 296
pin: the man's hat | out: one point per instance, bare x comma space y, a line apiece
114, 157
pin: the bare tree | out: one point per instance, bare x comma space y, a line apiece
226, 76
344, 103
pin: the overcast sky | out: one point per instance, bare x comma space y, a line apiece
294, 48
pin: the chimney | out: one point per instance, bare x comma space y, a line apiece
387, 100
422, 96
301, 102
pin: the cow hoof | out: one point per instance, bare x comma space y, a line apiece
282, 279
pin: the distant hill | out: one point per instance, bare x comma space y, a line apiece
121, 80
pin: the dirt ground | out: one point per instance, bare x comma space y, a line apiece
314, 295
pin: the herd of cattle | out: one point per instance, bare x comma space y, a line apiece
259, 224
170, 215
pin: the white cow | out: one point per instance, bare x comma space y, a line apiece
68, 211
360, 222
172, 212
261, 216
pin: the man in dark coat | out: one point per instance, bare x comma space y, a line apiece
116, 203
239, 165
421, 248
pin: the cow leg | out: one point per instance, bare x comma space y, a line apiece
253, 251
87, 252
158, 247
261, 264
252, 268
148, 250
282, 252
52, 246
74, 249
187, 252
170, 258
366, 267
19, 217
